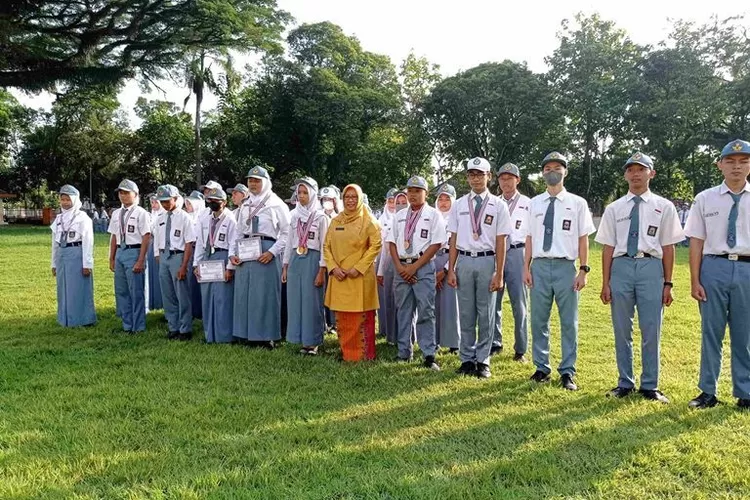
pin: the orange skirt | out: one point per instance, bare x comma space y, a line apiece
356, 334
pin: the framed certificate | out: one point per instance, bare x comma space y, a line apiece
211, 271
249, 249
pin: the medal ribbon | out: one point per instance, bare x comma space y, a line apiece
303, 230
472, 214
513, 202
257, 209
412, 218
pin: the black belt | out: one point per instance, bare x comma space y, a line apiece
131, 246
411, 260
732, 256
264, 238
640, 255
477, 254
171, 252
75, 244
518, 245
442, 251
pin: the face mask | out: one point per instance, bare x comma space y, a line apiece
215, 206
328, 205
553, 178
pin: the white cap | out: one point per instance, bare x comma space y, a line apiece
478, 164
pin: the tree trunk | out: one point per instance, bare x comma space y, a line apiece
198, 177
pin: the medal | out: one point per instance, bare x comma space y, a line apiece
301, 251
475, 236
407, 243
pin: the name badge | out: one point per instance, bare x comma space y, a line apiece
488, 219
311, 235
652, 230
222, 236
518, 224
566, 224
177, 233
424, 234
131, 229
71, 235
339, 229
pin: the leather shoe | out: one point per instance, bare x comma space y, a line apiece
654, 395
540, 377
467, 368
566, 381
173, 335
743, 404
620, 392
496, 349
429, 363
703, 401
483, 371
520, 358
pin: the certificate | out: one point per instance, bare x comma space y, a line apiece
211, 271
249, 249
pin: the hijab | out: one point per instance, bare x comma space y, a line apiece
67, 216
198, 205
313, 206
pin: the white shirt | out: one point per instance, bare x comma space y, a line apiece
658, 225
273, 222
81, 229
519, 219
137, 225
316, 235
385, 220
225, 236
430, 230
494, 222
572, 220
709, 221
182, 231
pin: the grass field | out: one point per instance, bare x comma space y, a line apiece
87, 414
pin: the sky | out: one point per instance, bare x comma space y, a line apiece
460, 35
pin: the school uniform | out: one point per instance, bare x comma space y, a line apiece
475, 268
305, 310
518, 209
173, 233
257, 287
553, 272
637, 227
447, 327
199, 211
216, 237
384, 265
153, 286
722, 220
72, 251
130, 225
415, 303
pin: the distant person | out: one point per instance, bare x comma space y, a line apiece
73, 261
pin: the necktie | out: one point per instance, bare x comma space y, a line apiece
168, 233
477, 211
732, 229
549, 224
212, 234
634, 227
122, 227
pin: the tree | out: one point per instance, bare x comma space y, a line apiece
15, 122
501, 111
593, 72
99, 41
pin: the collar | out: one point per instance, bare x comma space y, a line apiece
483, 194
560, 196
724, 189
508, 200
644, 197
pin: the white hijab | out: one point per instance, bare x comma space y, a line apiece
313, 206
67, 216
198, 207
266, 189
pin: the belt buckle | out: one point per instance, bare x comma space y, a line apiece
733, 256
639, 255
409, 261
473, 254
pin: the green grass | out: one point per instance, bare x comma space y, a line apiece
87, 414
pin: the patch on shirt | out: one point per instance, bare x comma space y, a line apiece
566, 224
222, 236
652, 230
463, 213
177, 233
339, 229
711, 214
518, 224
423, 234
71, 235
488, 219
131, 229
311, 235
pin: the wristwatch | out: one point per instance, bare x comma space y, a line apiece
669, 284
585, 269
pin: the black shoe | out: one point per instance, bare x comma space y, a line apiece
173, 335
453, 350
654, 395
620, 392
743, 404
566, 381
483, 371
429, 362
496, 349
540, 377
399, 359
703, 401
184, 336
467, 368
520, 358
